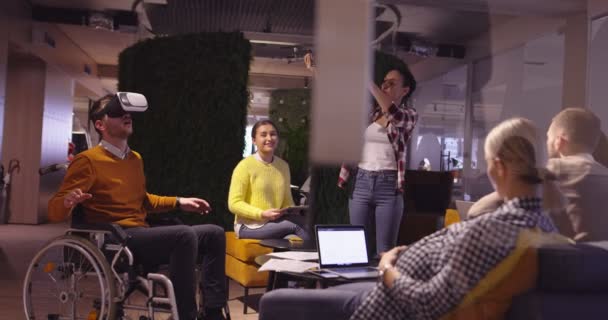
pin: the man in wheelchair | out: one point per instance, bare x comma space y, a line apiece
108, 182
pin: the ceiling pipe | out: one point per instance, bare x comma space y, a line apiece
111, 20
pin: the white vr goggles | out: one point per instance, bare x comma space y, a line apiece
121, 104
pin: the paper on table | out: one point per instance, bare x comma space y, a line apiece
295, 255
286, 265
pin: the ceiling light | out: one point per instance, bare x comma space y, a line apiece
100, 20
278, 43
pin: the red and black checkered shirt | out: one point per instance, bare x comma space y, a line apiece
401, 123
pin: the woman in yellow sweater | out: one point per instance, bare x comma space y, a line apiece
260, 191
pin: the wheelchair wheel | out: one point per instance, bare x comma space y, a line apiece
69, 279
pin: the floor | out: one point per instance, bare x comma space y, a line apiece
18, 245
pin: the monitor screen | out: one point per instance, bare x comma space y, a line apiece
341, 245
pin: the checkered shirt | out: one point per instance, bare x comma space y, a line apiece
440, 269
402, 121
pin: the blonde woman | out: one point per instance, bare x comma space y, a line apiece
430, 278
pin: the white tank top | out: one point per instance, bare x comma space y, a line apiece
378, 153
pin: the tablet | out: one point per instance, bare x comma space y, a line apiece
295, 210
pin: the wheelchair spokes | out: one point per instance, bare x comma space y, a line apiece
76, 276
67, 281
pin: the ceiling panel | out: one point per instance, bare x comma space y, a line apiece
101, 45
443, 25
435, 21
508, 7
277, 16
86, 4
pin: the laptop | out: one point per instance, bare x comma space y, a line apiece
343, 251
463, 208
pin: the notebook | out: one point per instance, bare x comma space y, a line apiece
463, 208
343, 251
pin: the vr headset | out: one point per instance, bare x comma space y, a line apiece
122, 103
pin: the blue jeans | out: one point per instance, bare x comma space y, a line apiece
375, 198
277, 229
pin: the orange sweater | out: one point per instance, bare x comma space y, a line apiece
118, 187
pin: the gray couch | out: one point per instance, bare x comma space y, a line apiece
572, 284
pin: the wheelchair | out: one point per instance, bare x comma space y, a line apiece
90, 273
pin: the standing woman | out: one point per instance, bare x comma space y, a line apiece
379, 177
260, 189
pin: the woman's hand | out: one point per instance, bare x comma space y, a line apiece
194, 205
383, 99
272, 214
309, 62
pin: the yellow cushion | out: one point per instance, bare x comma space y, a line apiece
491, 297
244, 249
245, 274
451, 216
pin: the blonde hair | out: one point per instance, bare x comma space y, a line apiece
512, 141
581, 127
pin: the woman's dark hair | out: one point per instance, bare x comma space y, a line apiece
261, 123
408, 80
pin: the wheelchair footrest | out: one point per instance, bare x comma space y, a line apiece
163, 280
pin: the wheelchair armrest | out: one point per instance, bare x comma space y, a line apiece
78, 222
117, 231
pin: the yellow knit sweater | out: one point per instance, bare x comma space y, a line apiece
256, 187
118, 187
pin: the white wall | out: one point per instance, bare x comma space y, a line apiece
340, 97
36, 103
22, 133
596, 8
522, 82
12, 21
440, 105
3, 65
56, 132
598, 70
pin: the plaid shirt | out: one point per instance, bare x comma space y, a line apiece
401, 122
439, 270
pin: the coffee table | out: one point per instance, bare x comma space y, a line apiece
286, 245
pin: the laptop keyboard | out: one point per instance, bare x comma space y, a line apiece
353, 269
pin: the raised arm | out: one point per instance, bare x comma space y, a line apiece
74, 189
384, 100
399, 117
309, 63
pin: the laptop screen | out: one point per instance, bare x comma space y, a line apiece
341, 245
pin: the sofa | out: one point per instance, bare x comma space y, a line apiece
241, 266
572, 283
